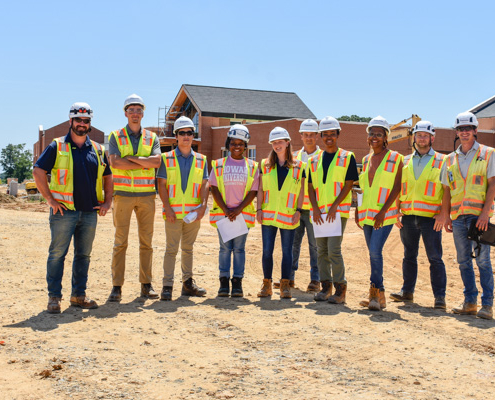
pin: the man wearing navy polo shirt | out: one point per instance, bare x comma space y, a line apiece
80, 187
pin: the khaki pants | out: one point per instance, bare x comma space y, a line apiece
184, 234
144, 207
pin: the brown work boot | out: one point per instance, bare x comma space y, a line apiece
326, 291
374, 303
402, 296
285, 289
148, 291
466, 309
381, 298
166, 294
314, 286
53, 306
339, 296
276, 285
116, 294
83, 302
486, 312
189, 288
266, 288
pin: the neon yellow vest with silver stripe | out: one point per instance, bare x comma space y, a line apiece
183, 202
423, 196
374, 197
327, 192
62, 177
279, 206
134, 180
298, 156
248, 212
468, 195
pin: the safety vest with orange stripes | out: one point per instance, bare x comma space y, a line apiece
298, 156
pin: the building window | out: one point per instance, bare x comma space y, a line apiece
225, 152
252, 152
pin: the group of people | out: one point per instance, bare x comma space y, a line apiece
421, 194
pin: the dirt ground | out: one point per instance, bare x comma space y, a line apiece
222, 348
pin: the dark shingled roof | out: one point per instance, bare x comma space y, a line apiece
485, 109
246, 103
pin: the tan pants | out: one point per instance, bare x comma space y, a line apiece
184, 234
144, 207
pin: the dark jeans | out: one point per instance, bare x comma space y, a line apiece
81, 225
375, 240
268, 234
305, 225
413, 228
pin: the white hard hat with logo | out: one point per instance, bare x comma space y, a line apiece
308, 125
80, 109
466, 118
278, 133
183, 122
424, 126
133, 99
329, 124
380, 122
239, 131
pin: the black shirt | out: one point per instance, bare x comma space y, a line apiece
351, 174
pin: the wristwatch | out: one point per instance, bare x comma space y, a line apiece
299, 209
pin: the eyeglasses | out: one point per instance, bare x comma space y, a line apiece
86, 121
378, 135
135, 111
464, 129
188, 133
242, 144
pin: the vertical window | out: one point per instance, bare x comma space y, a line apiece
252, 152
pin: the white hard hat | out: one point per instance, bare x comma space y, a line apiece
380, 122
329, 124
424, 126
80, 110
278, 133
133, 99
183, 122
239, 131
309, 125
466, 118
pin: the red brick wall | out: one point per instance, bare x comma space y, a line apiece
486, 123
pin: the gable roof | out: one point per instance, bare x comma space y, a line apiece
486, 109
247, 103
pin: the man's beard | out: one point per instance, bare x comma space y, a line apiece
81, 130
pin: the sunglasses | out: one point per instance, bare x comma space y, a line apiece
377, 135
188, 133
86, 121
465, 129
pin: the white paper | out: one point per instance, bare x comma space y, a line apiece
359, 199
231, 229
328, 229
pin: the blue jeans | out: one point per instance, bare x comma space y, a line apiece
413, 228
305, 224
81, 225
375, 240
235, 246
464, 246
268, 234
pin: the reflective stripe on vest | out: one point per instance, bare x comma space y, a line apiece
298, 155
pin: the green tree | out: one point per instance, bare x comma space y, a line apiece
354, 118
17, 162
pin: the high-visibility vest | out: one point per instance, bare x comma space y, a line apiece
249, 213
327, 192
62, 175
468, 195
298, 156
183, 202
279, 206
374, 197
139, 179
423, 196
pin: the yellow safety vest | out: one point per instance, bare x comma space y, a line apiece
279, 206
423, 196
139, 179
248, 212
183, 202
298, 156
327, 192
468, 195
374, 197
62, 177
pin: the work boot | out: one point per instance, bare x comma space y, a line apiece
440, 303
326, 291
166, 294
339, 296
486, 312
466, 309
402, 296
381, 298
276, 285
83, 302
148, 291
314, 286
374, 303
116, 294
285, 289
53, 306
237, 287
266, 288
189, 288
224, 287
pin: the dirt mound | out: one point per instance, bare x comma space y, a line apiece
7, 198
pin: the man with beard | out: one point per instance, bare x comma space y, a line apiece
80, 186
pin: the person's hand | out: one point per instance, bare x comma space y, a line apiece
56, 206
233, 213
259, 216
331, 213
103, 208
317, 216
398, 224
379, 219
296, 217
356, 219
201, 212
483, 220
169, 214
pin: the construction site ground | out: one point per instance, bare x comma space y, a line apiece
223, 348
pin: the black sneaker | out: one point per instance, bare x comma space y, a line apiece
224, 287
166, 293
237, 287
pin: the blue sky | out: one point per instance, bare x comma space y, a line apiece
432, 58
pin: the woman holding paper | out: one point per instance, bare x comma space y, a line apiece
234, 183
380, 182
280, 198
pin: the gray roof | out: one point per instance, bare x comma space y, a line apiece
485, 109
246, 103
